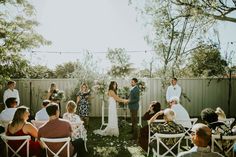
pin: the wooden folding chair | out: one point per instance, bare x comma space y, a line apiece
25, 142
228, 121
170, 150
217, 139
151, 137
187, 130
66, 141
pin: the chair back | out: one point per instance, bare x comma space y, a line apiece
48, 144
150, 137
216, 140
16, 139
228, 121
170, 150
37, 123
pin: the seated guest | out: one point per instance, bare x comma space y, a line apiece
8, 113
59, 128
217, 127
181, 114
169, 127
42, 115
20, 127
211, 119
220, 113
77, 131
200, 136
154, 107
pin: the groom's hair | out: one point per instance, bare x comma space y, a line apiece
135, 80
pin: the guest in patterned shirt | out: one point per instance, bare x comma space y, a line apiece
78, 130
169, 127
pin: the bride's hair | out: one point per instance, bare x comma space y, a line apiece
111, 86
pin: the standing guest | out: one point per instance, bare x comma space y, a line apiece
182, 116
8, 113
200, 136
174, 90
169, 127
11, 92
134, 106
20, 127
83, 103
59, 128
42, 115
78, 131
52, 94
143, 137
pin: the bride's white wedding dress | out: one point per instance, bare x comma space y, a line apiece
112, 126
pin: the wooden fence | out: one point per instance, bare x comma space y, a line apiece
200, 92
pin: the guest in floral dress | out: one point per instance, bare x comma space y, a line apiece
78, 130
83, 103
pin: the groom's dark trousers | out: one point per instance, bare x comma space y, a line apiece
133, 107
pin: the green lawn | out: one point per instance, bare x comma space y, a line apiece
111, 146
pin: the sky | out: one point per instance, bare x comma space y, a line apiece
81, 25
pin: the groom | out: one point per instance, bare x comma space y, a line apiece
133, 106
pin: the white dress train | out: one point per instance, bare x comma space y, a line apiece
112, 126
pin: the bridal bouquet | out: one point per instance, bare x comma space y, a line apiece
59, 95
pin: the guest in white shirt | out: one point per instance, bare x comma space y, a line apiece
8, 113
42, 114
11, 92
173, 90
182, 116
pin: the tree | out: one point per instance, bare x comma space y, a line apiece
17, 33
65, 70
220, 10
120, 62
206, 61
40, 72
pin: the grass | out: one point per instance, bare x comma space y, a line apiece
111, 146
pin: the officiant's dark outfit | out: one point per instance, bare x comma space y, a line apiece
133, 107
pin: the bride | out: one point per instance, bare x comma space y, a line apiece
112, 126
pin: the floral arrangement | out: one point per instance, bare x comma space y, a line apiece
59, 95
100, 87
142, 87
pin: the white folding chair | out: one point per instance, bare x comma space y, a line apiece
151, 137
25, 142
83, 136
48, 141
217, 139
228, 121
170, 150
187, 130
37, 123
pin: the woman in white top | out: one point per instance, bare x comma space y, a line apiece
112, 126
78, 130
